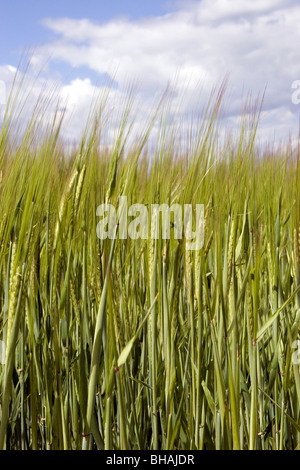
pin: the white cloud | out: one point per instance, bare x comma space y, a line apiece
255, 41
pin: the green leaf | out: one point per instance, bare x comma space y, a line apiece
127, 349
209, 398
276, 314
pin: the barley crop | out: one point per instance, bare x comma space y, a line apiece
120, 343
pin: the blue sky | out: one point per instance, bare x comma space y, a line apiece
20, 20
194, 44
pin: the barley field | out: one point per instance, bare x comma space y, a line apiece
123, 344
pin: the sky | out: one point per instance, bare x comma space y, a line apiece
194, 45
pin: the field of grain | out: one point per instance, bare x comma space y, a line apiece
143, 344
